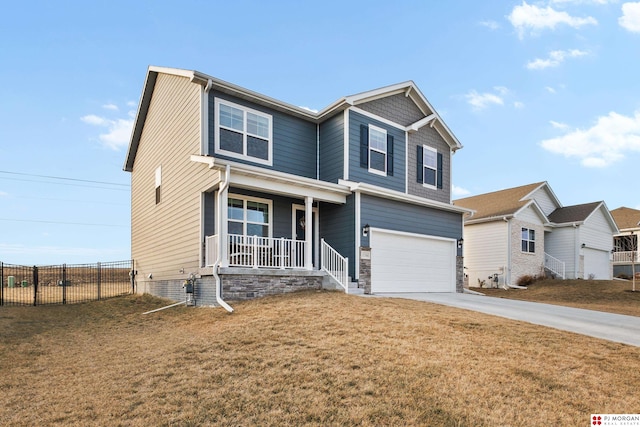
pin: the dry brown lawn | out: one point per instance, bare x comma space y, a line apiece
613, 296
312, 358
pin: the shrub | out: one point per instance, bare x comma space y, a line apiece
527, 280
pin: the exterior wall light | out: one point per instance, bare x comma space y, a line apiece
460, 241
365, 230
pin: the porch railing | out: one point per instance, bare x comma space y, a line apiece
211, 250
625, 257
256, 252
554, 265
335, 265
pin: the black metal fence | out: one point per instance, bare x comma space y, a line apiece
64, 284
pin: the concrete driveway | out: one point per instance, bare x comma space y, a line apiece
608, 326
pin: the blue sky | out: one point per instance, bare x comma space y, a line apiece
534, 90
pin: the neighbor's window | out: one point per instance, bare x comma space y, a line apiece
528, 240
430, 166
158, 183
377, 150
243, 133
249, 216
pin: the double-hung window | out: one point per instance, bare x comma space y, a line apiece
249, 216
430, 167
376, 150
528, 240
243, 133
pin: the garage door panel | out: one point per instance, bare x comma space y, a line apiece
411, 263
597, 263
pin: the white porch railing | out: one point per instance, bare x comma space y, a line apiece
626, 257
256, 252
335, 265
554, 264
210, 250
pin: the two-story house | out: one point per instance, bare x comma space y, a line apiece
253, 196
626, 254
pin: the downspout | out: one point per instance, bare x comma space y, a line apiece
224, 186
507, 272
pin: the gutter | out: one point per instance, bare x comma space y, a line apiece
224, 186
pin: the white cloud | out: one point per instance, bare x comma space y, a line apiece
132, 104
556, 57
3, 194
492, 25
550, 89
584, 1
501, 90
480, 101
630, 19
111, 107
559, 125
118, 130
519, 105
605, 143
531, 18
92, 119
459, 191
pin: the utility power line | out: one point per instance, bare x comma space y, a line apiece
61, 222
64, 178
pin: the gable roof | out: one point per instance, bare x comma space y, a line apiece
575, 213
498, 204
626, 218
208, 82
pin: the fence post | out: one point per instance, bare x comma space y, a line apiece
99, 278
133, 277
35, 285
64, 283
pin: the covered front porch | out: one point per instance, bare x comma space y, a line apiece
256, 220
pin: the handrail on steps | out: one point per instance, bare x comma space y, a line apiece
335, 265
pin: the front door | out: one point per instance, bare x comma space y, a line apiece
299, 229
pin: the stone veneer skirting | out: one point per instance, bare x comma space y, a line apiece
237, 284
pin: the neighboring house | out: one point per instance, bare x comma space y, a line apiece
625, 242
255, 196
526, 231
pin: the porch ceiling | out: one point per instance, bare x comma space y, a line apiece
264, 180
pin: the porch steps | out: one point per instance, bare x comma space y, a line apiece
354, 289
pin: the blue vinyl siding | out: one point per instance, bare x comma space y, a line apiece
337, 227
332, 149
361, 174
294, 139
397, 216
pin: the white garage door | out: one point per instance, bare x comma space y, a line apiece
405, 262
597, 263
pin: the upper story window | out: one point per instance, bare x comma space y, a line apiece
429, 163
243, 133
528, 240
376, 150
248, 216
158, 183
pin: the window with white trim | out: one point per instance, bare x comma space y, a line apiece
430, 166
528, 240
243, 133
377, 150
248, 216
158, 183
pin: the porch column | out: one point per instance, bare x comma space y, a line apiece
308, 235
223, 209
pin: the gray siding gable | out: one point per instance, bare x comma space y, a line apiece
397, 108
294, 139
361, 174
